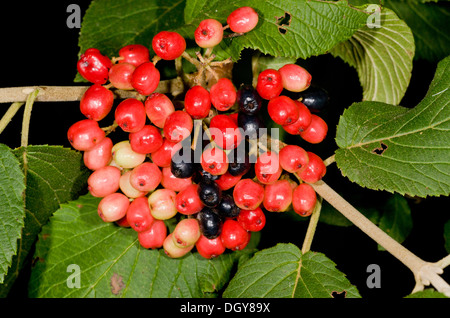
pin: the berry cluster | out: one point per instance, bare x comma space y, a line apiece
202, 165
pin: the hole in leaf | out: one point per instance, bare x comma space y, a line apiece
381, 149
340, 295
283, 22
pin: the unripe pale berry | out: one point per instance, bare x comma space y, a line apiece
174, 251
162, 204
104, 181
113, 207
125, 157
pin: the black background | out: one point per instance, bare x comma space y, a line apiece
39, 49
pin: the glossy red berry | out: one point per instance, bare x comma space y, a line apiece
104, 181
186, 232
197, 102
233, 235
96, 102
293, 158
139, 216
252, 220
169, 181
223, 94
248, 195
130, 115
295, 78
134, 54
146, 177
227, 181
168, 45
178, 126
283, 110
113, 207
158, 107
304, 199
163, 156
277, 196
154, 237
99, 156
120, 75
85, 134
210, 248
314, 170
188, 201
147, 140
303, 121
316, 132
145, 78
243, 19
269, 84
225, 132
209, 33
214, 161
267, 167
93, 66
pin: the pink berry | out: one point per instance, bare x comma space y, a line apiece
104, 181
93, 66
169, 181
99, 156
248, 195
188, 201
85, 134
303, 121
158, 107
113, 207
120, 75
96, 102
243, 19
214, 161
168, 45
154, 237
145, 78
223, 94
277, 196
316, 132
267, 167
178, 126
304, 199
295, 78
197, 102
186, 232
146, 177
269, 84
147, 140
139, 216
130, 115
134, 54
293, 158
127, 188
209, 33
283, 110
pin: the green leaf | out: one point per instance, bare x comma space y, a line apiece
396, 219
382, 57
54, 175
12, 207
427, 293
292, 28
392, 148
283, 272
113, 264
429, 24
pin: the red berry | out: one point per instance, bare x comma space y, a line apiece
96, 102
242, 20
93, 66
223, 94
209, 33
113, 207
304, 199
104, 181
158, 107
85, 134
178, 126
145, 78
169, 181
99, 156
225, 132
197, 102
163, 156
146, 177
233, 235
252, 220
134, 54
267, 167
214, 161
147, 140
316, 132
277, 196
130, 115
314, 170
283, 110
120, 75
186, 232
248, 195
227, 181
293, 158
187, 200
295, 78
154, 237
269, 84
210, 248
139, 216
168, 45
123, 222
303, 121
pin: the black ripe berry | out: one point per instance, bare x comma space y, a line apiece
182, 164
209, 192
227, 208
250, 124
315, 98
249, 100
239, 160
210, 223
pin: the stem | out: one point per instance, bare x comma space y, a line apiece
8, 116
27, 117
330, 160
314, 220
